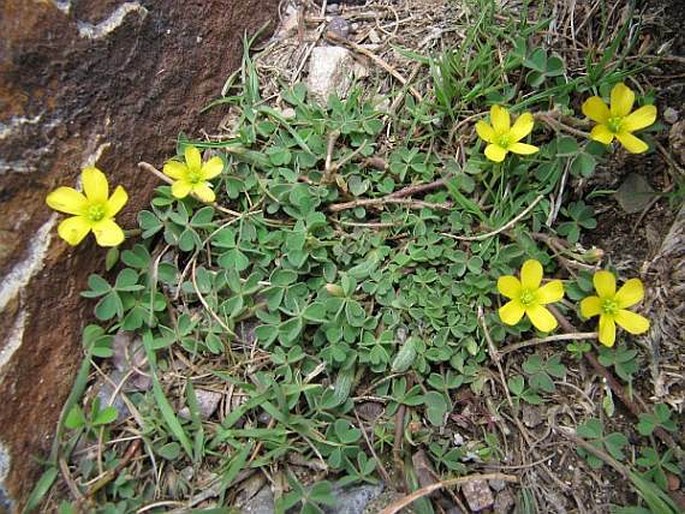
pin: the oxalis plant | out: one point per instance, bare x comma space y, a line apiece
345, 289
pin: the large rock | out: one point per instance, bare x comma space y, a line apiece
85, 81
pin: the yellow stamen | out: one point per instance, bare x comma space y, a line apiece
610, 306
96, 212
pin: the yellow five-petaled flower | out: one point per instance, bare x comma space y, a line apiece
616, 120
502, 137
94, 210
611, 306
193, 176
528, 297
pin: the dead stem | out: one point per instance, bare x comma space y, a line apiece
425, 491
549, 339
334, 38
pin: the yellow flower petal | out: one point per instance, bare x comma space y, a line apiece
509, 286
590, 306
212, 168
193, 158
632, 143
531, 274
495, 153
630, 293
511, 312
181, 188
632, 322
522, 127
117, 201
595, 109
551, 292
68, 200
641, 118
175, 169
622, 99
541, 318
602, 134
523, 148
95, 185
108, 233
500, 119
485, 131
607, 331
73, 230
204, 193
605, 284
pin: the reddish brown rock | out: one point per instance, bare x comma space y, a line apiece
102, 81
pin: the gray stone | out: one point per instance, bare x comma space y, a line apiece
260, 503
339, 26
504, 502
354, 500
331, 69
670, 115
207, 402
478, 495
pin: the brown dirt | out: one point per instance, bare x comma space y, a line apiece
134, 89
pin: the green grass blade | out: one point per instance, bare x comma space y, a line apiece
165, 407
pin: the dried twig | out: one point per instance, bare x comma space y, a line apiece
378, 202
549, 339
425, 491
504, 227
334, 38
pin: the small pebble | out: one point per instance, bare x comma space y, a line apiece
207, 402
670, 115
478, 495
504, 502
339, 26
498, 485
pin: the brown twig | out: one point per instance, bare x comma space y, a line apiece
378, 202
425, 491
398, 197
397, 445
369, 444
550, 119
418, 189
504, 227
334, 38
549, 339
112, 474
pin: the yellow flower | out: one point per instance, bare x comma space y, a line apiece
193, 176
611, 306
93, 211
617, 121
528, 297
502, 137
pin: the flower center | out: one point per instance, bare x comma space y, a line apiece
95, 212
614, 124
527, 297
194, 176
610, 306
503, 141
